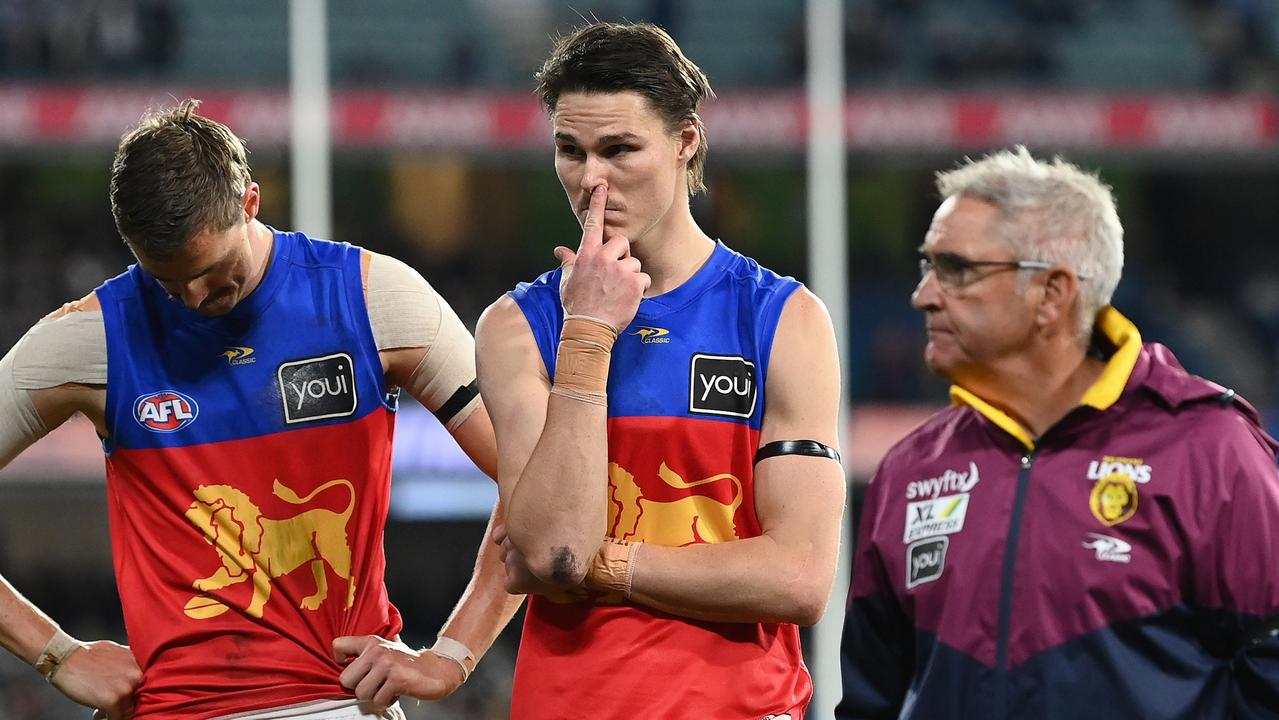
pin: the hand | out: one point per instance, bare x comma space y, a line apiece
102, 675
601, 279
382, 670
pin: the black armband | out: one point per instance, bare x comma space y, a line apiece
810, 448
460, 399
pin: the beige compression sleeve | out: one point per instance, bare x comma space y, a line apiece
71, 348
406, 312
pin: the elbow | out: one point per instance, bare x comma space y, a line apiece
806, 603
560, 565
809, 611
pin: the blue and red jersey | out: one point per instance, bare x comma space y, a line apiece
1121, 565
685, 403
248, 476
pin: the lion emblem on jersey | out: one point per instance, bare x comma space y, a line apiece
260, 549
691, 519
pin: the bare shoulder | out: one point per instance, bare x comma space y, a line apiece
803, 372
506, 352
502, 323
804, 311
805, 336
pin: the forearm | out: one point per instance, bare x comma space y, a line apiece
753, 580
485, 607
558, 507
24, 629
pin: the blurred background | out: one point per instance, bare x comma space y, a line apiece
442, 157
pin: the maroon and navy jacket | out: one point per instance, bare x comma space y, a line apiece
1121, 565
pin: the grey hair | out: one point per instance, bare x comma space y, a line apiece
1052, 212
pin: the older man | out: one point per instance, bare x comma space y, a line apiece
1087, 531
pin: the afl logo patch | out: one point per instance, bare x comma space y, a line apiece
165, 411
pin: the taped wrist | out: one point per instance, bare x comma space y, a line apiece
447, 647
55, 653
581, 365
613, 567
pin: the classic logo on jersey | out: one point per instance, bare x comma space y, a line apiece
236, 355
318, 388
693, 518
721, 385
940, 516
1109, 549
1134, 468
165, 411
653, 335
783, 716
951, 481
259, 549
925, 561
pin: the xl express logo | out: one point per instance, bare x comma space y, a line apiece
318, 388
165, 411
721, 385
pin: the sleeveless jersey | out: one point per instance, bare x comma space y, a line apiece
248, 476
685, 401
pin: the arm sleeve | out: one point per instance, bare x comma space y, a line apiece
406, 312
877, 649
1238, 579
70, 348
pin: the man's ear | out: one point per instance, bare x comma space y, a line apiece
1060, 292
252, 201
690, 139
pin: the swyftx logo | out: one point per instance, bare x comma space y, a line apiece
318, 388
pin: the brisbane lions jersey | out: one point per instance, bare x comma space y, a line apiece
248, 476
685, 403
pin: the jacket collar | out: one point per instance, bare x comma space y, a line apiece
1115, 329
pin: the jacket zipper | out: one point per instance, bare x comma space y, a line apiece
1006, 588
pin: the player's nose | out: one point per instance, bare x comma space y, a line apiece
594, 173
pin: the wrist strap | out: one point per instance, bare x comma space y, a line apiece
447, 647
582, 360
60, 647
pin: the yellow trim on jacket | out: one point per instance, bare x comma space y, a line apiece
1102, 394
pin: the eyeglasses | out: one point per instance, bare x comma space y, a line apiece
956, 271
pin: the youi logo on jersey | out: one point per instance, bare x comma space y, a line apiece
165, 411
721, 385
318, 388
